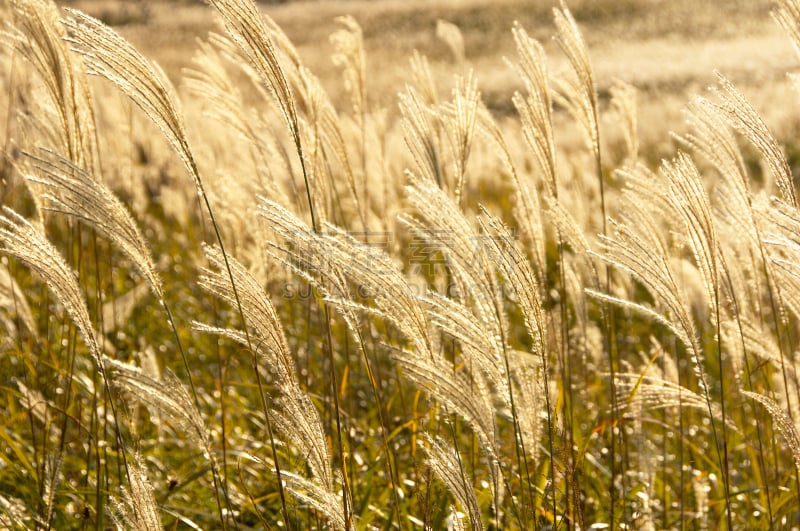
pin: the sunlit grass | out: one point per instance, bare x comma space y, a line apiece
255, 301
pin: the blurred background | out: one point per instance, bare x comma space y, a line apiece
668, 49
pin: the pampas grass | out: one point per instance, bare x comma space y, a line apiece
438, 315
298, 417
69, 190
445, 463
40, 39
25, 242
138, 508
16, 311
785, 424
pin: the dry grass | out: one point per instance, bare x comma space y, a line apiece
413, 265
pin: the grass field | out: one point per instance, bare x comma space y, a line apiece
378, 264
668, 49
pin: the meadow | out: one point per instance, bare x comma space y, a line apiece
399, 265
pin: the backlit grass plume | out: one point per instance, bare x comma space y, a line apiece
39, 37
70, 190
444, 227
511, 263
207, 78
451, 36
296, 417
527, 209
25, 242
137, 507
15, 313
459, 125
785, 424
636, 245
166, 396
577, 92
741, 115
372, 269
248, 29
535, 109
623, 101
654, 392
421, 134
689, 202
787, 14
107, 54
348, 41
448, 467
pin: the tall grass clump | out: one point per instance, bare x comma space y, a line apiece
354, 317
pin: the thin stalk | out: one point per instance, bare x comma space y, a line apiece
519, 447
707, 394
243, 483
93, 423
365, 202
223, 422
272, 445
201, 191
335, 393
453, 425
566, 378
549, 435
78, 259
299, 146
214, 471
762, 458
665, 499
334, 388
390, 457
45, 298
682, 479
726, 469
776, 305
102, 324
611, 335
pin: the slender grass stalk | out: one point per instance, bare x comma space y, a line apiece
26, 243
114, 58
742, 116
246, 27
580, 97
690, 203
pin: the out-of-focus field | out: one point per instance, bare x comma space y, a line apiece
668, 49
